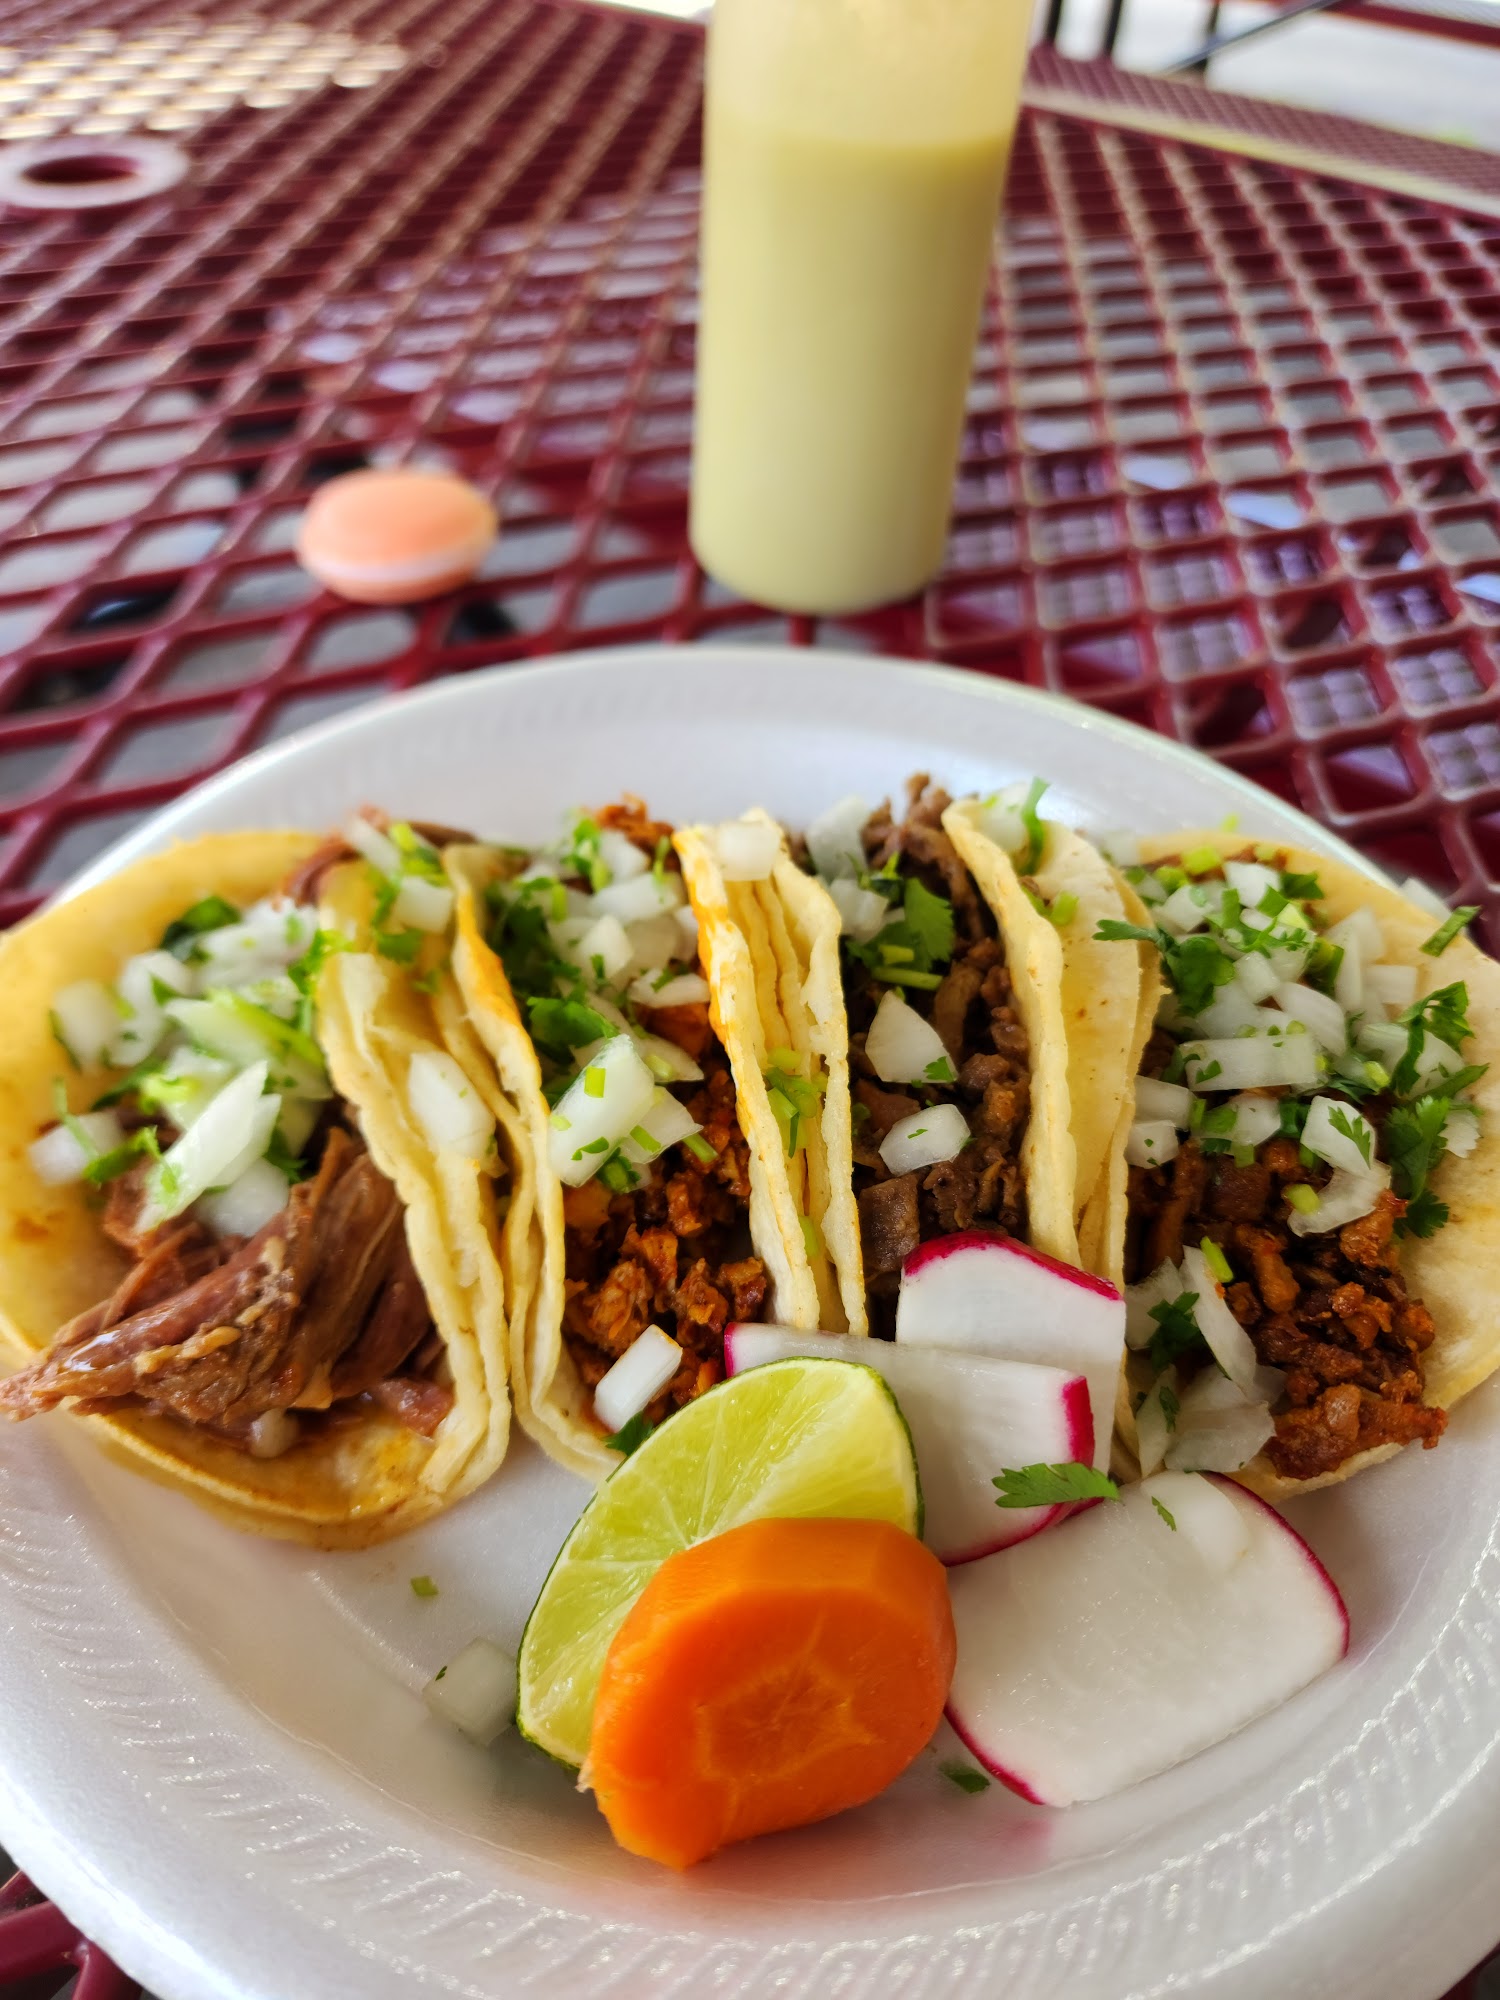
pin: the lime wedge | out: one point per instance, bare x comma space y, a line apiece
795, 1439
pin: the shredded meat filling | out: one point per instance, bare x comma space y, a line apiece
1331, 1310
974, 1013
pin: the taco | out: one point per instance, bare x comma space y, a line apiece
1312, 1168
246, 1175
990, 1040
663, 1206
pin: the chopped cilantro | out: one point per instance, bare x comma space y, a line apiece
632, 1435
1195, 966
1354, 1129
1445, 933
1415, 1140
423, 1586
1164, 1514
104, 1167
700, 1148
430, 980
659, 859
1176, 1330
60, 1038
1171, 1406
581, 855
560, 1026
1301, 888
418, 857
939, 1070
1052, 1485
1215, 1259
401, 946
279, 1154
211, 914
1443, 1015
128, 1084
965, 1777
1425, 1215
1323, 965
303, 972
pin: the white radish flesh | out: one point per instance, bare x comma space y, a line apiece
249, 1203
450, 1110
86, 1019
1119, 1647
925, 1138
475, 1692
903, 1047
834, 840
59, 1157
637, 1378
592, 1117
970, 1416
987, 1294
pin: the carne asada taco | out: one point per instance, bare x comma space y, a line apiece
1313, 1168
663, 1206
248, 1230
990, 1040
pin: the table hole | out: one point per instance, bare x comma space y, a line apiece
1266, 506
1435, 676
1465, 536
122, 606
1399, 610
1161, 471
1314, 406
174, 545
1246, 458
1333, 700
976, 611
1396, 394
1296, 559
1368, 778
1416, 437
629, 598
270, 589
226, 662
1207, 644
43, 564
1452, 481
78, 844
1304, 625
1480, 590
989, 544
361, 640
1178, 518
1194, 577
1100, 659
163, 750
1078, 531
1230, 716
1383, 545
1078, 596
1070, 478
90, 506
28, 768
483, 620
1466, 759
1328, 449
302, 711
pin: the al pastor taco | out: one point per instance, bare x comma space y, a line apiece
247, 1153
1311, 1233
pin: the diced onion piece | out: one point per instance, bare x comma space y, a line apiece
297, 1122
1120, 847
903, 1047
924, 1139
1153, 1433
1415, 890
59, 1157
1231, 1010
621, 856
666, 1061
421, 905
228, 1025
686, 919
1345, 1199
1256, 1119
87, 1020
1001, 817
1256, 976
1251, 880
643, 896
1384, 1040
748, 850
278, 995
834, 839
604, 949
186, 1084
1252, 1062
1152, 1142
640, 1375
1435, 1060
611, 1093
1461, 1131
1218, 1429
1154, 1099
248, 1203
1321, 1015
667, 1123
1163, 1285
475, 1692
234, 1130
862, 912
273, 1433
1289, 961
1393, 986
447, 1105
378, 848
1321, 1135
686, 990
1186, 909
1231, 1345
142, 1023
654, 943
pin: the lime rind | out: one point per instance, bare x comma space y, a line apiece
803, 1438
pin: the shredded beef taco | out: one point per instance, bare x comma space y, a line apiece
991, 1042
247, 1159
1311, 1233
662, 1203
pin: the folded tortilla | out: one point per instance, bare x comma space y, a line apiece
366, 1476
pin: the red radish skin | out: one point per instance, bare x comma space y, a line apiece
943, 1247
987, 1763
958, 1460
1316, 1561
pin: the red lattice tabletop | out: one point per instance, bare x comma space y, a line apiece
1230, 466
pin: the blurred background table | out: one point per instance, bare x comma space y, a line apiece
1230, 470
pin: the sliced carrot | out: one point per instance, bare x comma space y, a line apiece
766, 1678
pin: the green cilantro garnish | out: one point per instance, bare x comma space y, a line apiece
1214, 1257
939, 1070
906, 952
211, 914
700, 1148
560, 1026
400, 946
1171, 1405
303, 972
659, 859
1445, 933
581, 856
1301, 888
418, 857
1414, 1139
1323, 965
965, 1777
1195, 966
423, 1586
1176, 1330
1443, 1015
105, 1167
631, 1436
60, 1038
1052, 1485
1355, 1130
1164, 1514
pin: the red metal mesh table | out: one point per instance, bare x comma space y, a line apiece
1230, 467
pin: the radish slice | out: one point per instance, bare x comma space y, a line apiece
1122, 1645
986, 1294
970, 1416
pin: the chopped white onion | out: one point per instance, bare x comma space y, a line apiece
1351, 937
1153, 1433
378, 848
667, 1123
1321, 1135
640, 1375
1152, 1142
142, 1022
59, 1158
904, 1048
1394, 986
1120, 847
226, 1025
1256, 976
1163, 1285
686, 919
1155, 1099
1435, 1060
1186, 909
748, 850
654, 943
248, 1203
297, 1122
278, 995
1461, 1131
272, 1434
666, 1061
1232, 1010
1256, 1119
234, 1130
87, 1020
1232, 1347
1250, 880
604, 950
1252, 1062
924, 1139
1345, 1199
1384, 1040
475, 1692
643, 896
834, 839
187, 1083
451, 1112
1218, 1429
621, 856
1000, 818
862, 912
1415, 890
1289, 961
1321, 1015
422, 905
686, 990
589, 1122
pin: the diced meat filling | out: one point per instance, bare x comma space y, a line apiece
1331, 1310
974, 1013
321, 1307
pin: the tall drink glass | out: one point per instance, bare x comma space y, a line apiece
855, 153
